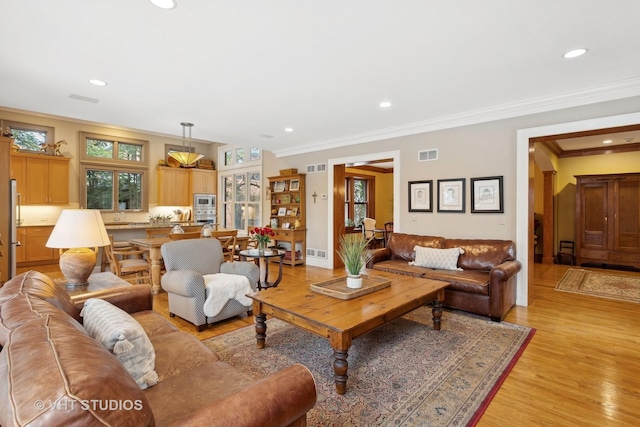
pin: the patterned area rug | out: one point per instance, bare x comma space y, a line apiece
626, 288
402, 374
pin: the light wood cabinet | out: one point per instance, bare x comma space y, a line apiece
41, 179
33, 249
203, 181
608, 219
173, 187
287, 194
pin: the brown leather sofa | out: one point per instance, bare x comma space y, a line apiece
486, 285
54, 374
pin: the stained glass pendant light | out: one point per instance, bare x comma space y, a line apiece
186, 157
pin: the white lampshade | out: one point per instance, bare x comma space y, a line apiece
77, 230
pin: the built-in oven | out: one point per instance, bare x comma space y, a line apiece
204, 208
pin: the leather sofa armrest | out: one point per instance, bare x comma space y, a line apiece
378, 255
129, 298
281, 399
504, 271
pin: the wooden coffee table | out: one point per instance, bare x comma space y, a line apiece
339, 320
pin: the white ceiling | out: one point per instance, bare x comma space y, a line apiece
242, 71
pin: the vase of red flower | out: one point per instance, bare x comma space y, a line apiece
262, 235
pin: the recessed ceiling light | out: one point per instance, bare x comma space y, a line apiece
288, 129
165, 4
607, 141
385, 104
575, 53
97, 82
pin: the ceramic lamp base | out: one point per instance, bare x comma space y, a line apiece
77, 265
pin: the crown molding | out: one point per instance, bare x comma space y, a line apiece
609, 92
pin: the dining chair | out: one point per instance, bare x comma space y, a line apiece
227, 240
369, 232
388, 229
126, 263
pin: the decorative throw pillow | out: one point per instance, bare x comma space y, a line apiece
122, 335
441, 259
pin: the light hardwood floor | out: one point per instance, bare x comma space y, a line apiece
582, 367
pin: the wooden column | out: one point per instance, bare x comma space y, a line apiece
548, 217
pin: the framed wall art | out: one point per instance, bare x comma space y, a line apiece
278, 186
451, 195
420, 196
486, 195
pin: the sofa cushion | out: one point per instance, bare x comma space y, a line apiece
402, 245
41, 286
153, 323
124, 337
179, 352
400, 266
469, 281
53, 374
483, 254
206, 383
442, 259
21, 308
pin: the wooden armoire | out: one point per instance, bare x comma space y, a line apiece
608, 219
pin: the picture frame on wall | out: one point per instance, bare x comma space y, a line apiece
487, 195
278, 186
451, 195
421, 196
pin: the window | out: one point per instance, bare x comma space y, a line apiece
114, 171
359, 203
30, 137
240, 156
242, 198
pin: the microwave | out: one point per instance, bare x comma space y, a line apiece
204, 201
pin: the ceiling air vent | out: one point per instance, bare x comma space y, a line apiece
428, 155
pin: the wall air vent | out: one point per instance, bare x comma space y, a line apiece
428, 155
321, 167
84, 98
311, 168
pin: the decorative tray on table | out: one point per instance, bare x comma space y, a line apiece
338, 287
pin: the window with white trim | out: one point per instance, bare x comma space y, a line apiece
114, 173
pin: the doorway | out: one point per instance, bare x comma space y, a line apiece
336, 177
524, 186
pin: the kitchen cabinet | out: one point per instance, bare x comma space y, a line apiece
33, 249
173, 187
608, 219
203, 181
41, 179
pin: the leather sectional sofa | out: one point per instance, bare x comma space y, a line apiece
484, 282
54, 374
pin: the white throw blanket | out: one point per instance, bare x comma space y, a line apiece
221, 287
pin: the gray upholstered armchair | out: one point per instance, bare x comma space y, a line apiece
186, 262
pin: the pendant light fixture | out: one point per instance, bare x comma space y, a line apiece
186, 157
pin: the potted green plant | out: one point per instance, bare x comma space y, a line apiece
354, 253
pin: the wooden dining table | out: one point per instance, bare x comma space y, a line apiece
155, 256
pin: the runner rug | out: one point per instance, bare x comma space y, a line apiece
606, 285
402, 374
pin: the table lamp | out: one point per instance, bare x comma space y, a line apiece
78, 230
